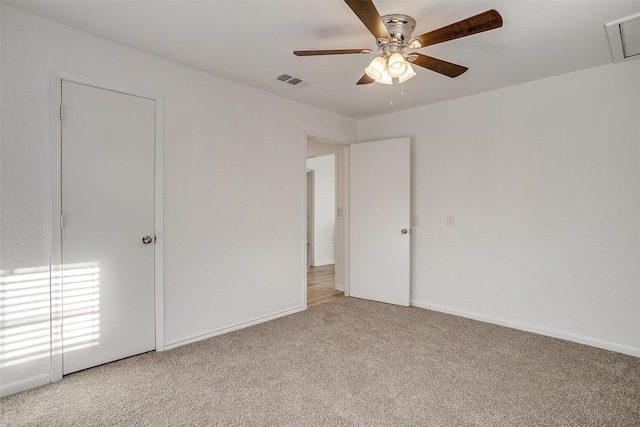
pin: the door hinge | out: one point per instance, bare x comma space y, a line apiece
61, 112
61, 221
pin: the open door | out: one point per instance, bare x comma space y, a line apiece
380, 213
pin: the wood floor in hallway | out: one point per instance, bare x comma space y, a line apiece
321, 285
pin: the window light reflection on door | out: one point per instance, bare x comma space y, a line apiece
25, 311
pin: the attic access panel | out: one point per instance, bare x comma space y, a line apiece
624, 38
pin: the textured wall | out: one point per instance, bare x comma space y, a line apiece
544, 183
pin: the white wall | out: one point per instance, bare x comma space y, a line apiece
316, 148
324, 218
544, 182
233, 179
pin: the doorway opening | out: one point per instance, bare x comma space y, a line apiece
325, 221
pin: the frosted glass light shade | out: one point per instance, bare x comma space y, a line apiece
376, 68
397, 65
386, 79
407, 74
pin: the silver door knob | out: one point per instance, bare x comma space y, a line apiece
404, 231
147, 239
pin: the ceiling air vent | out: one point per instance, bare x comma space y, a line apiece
292, 80
624, 38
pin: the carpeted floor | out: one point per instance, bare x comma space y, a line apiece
349, 362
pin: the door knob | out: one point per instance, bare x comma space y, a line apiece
404, 231
147, 239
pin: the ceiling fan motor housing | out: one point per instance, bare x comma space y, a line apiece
399, 27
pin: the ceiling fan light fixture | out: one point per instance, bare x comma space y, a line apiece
397, 65
409, 74
386, 79
376, 68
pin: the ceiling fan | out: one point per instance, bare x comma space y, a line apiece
393, 36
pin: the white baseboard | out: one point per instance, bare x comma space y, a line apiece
22, 385
555, 333
324, 262
231, 328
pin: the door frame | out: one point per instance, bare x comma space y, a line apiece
310, 227
342, 209
56, 77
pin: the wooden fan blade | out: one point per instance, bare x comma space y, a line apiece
439, 66
368, 14
365, 80
329, 52
484, 21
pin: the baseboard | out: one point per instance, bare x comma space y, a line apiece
22, 385
555, 333
234, 327
324, 262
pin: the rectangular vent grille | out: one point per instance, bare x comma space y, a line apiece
292, 80
624, 38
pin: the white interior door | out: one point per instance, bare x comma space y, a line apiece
107, 204
380, 212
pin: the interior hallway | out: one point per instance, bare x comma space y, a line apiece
321, 285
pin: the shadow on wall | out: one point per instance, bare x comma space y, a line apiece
25, 311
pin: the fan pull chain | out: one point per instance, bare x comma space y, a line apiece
392, 85
401, 92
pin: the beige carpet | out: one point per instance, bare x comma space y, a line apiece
349, 362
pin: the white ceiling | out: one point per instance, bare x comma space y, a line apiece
251, 42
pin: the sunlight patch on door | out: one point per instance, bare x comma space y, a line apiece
81, 307
25, 311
